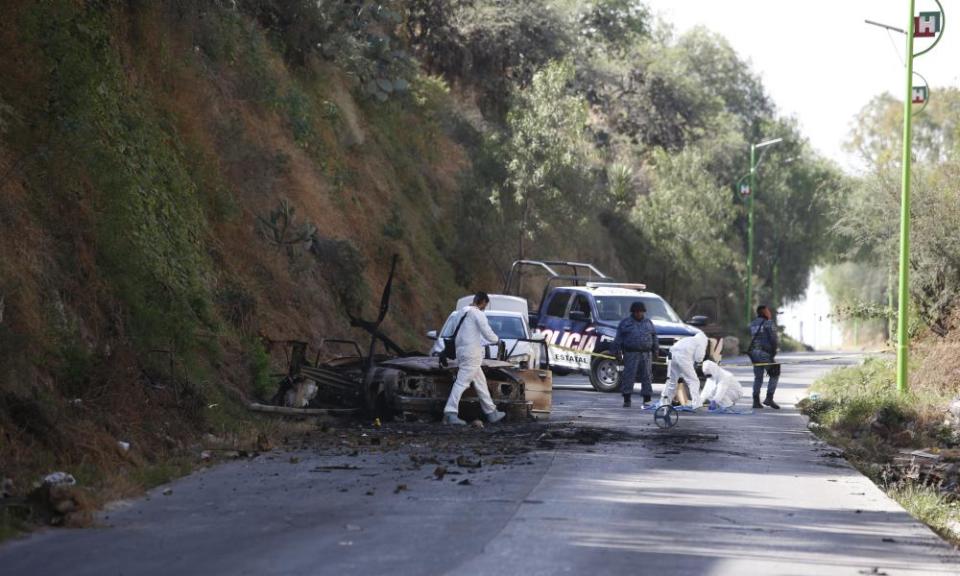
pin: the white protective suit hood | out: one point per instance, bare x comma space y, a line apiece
692, 348
721, 387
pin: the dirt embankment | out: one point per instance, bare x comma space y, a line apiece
172, 196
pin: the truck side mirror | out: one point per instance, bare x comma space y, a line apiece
432, 334
699, 321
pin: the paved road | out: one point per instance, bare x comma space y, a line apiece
716, 495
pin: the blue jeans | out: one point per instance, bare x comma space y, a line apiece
762, 357
634, 364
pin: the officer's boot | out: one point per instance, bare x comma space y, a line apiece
626, 400
769, 402
756, 402
646, 399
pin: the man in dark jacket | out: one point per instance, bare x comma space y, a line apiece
637, 340
763, 350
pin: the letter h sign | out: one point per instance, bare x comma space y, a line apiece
926, 25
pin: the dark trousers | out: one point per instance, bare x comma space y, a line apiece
761, 357
637, 364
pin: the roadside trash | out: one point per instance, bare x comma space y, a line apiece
59, 479
814, 397
123, 446
205, 455
465, 461
167, 491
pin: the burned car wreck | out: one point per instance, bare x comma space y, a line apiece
393, 382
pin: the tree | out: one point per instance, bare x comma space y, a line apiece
545, 148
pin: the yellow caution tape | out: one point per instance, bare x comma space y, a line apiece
595, 354
737, 365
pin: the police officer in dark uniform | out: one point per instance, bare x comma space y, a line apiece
763, 350
637, 340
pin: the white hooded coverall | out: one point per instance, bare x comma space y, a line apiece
683, 355
722, 387
475, 332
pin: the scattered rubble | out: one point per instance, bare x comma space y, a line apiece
464, 461
937, 468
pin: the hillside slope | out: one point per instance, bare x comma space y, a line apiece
143, 152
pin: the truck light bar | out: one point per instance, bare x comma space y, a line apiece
616, 285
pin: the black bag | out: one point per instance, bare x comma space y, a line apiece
450, 344
752, 352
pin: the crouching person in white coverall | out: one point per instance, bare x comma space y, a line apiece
722, 389
683, 358
472, 334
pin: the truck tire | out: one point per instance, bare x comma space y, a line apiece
604, 376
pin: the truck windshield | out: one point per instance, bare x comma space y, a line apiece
504, 326
615, 308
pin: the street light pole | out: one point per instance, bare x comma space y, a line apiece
753, 170
903, 301
753, 177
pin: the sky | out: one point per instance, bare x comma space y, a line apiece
822, 64
818, 59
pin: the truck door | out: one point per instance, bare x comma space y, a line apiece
553, 319
579, 331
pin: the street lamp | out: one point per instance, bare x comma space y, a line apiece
924, 25
754, 164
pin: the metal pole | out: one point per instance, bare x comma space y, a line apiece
753, 169
904, 296
891, 321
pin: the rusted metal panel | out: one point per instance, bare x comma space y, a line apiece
538, 389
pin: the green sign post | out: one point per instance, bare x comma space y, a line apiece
924, 25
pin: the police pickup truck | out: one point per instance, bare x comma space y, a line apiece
579, 320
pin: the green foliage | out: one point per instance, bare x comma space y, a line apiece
869, 225
930, 506
356, 34
281, 229
546, 147
151, 222
259, 360
685, 216
494, 46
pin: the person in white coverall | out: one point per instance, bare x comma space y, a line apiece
721, 388
683, 357
473, 333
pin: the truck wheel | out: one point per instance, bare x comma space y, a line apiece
604, 376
